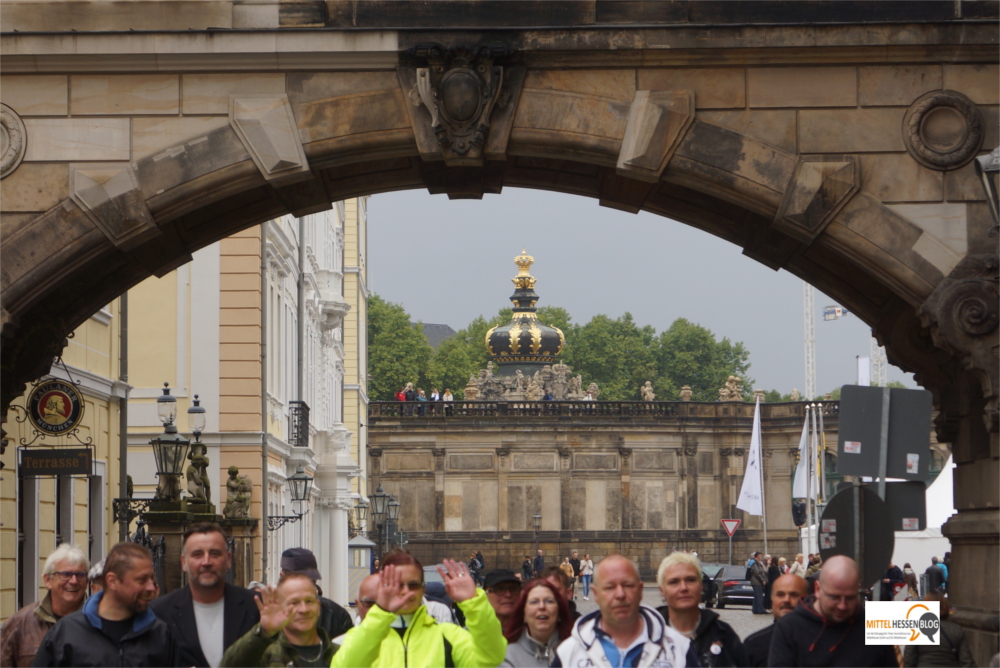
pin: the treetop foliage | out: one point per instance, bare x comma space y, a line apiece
616, 353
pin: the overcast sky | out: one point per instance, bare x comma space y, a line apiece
448, 261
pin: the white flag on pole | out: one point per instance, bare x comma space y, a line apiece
751, 494
800, 485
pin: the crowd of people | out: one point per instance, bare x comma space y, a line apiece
473, 617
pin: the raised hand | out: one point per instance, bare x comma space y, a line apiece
392, 595
273, 613
457, 581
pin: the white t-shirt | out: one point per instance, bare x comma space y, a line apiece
210, 618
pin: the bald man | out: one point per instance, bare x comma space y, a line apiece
623, 629
828, 628
366, 596
785, 594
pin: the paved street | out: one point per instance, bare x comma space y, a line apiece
739, 617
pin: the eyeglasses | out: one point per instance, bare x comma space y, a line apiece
66, 576
367, 602
837, 599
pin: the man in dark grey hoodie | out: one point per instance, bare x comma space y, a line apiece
828, 629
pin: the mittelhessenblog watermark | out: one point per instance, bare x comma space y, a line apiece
902, 623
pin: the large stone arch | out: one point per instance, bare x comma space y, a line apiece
769, 157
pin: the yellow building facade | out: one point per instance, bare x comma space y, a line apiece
38, 513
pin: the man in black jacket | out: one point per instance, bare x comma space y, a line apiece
115, 627
828, 629
332, 617
785, 595
208, 615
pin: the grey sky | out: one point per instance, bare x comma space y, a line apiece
449, 261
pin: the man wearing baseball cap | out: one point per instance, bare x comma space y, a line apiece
502, 589
332, 617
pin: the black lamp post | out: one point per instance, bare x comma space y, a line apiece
392, 513
169, 449
380, 509
360, 515
536, 519
299, 486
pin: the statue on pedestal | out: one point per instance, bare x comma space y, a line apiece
686, 393
647, 392
795, 394
199, 486
169, 487
758, 394
534, 392
238, 491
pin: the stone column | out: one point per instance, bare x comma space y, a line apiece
503, 457
724, 484
691, 470
336, 582
438, 488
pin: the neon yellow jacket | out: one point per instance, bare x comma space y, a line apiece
374, 643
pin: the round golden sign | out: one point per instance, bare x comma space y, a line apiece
55, 407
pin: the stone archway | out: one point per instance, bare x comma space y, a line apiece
791, 163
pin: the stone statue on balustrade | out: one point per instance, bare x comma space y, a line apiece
594, 390
199, 486
647, 392
472, 389
795, 394
238, 491
732, 391
758, 395
686, 393
534, 392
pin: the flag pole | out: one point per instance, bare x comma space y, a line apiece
813, 447
760, 445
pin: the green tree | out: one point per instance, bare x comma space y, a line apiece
614, 353
688, 354
398, 352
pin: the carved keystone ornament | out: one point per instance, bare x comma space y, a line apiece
13, 140
459, 89
943, 130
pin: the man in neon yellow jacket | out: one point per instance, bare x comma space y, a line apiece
397, 631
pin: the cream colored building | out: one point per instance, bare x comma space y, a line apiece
201, 327
38, 513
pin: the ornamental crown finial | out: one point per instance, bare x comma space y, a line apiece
524, 279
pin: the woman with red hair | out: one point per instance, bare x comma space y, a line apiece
540, 621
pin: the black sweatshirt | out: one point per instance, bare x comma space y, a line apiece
805, 638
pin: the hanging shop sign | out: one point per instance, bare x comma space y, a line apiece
34, 462
55, 407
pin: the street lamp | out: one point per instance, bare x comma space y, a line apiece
169, 449
536, 519
196, 418
360, 515
299, 486
379, 499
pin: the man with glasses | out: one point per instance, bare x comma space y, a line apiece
828, 628
65, 576
502, 589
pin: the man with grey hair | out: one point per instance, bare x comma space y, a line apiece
65, 576
622, 632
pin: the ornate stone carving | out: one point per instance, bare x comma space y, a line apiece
503, 452
657, 121
13, 140
943, 130
199, 485
690, 450
564, 452
647, 392
625, 453
459, 89
758, 395
819, 188
375, 453
334, 312
686, 393
732, 391
239, 489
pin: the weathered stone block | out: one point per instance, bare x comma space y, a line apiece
352, 114
868, 130
615, 84
897, 177
268, 129
124, 94
802, 87
209, 93
77, 139
36, 95
820, 186
962, 185
774, 127
196, 157
896, 85
979, 82
571, 112
645, 461
35, 187
410, 462
470, 462
714, 88
109, 194
525, 461
153, 135
657, 121
945, 239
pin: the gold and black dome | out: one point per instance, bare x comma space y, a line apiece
524, 342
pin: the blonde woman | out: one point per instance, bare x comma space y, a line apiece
798, 566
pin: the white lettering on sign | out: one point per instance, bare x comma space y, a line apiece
852, 447
829, 526
911, 524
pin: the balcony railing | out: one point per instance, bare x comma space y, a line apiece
607, 410
298, 424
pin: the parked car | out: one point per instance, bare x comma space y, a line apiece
732, 587
431, 575
709, 584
